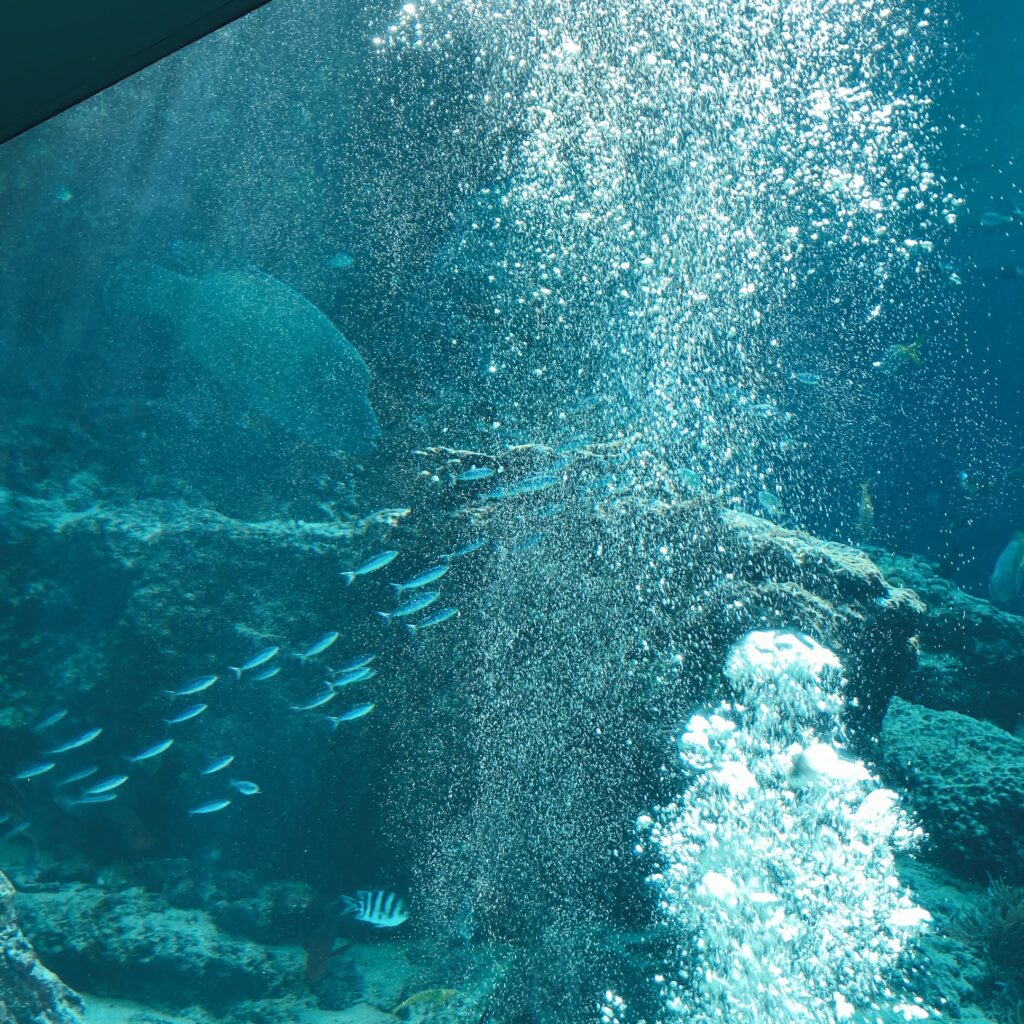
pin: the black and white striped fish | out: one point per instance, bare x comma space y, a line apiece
379, 908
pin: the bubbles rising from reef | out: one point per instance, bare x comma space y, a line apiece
681, 174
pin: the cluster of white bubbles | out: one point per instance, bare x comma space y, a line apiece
683, 175
686, 172
776, 866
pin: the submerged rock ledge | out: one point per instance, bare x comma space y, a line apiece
29, 992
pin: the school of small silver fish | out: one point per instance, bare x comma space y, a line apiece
417, 607
75, 790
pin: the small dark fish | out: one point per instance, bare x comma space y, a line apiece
34, 770
430, 575
79, 741
417, 604
211, 808
375, 563
188, 713
432, 620
320, 646
245, 787
359, 711
196, 685
217, 764
154, 751
106, 785
85, 773
255, 661
49, 720
474, 473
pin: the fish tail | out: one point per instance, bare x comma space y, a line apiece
237, 671
348, 577
170, 693
386, 616
396, 587
411, 628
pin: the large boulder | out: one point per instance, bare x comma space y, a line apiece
965, 780
29, 993
130, 944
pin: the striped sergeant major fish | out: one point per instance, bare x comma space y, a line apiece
377, 907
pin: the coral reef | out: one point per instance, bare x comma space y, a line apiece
29, 993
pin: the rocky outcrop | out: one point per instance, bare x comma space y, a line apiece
964, 779
130, 944
29, 993
971, 651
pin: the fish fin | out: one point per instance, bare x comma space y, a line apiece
386, 616
348, 577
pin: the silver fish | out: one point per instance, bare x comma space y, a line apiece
211, 808
267, 673
255, 661
474, 473
79, 741
417, 604
188, 713
360, 675
375, 563
217, 764
106, 785
320, 646
49, 720
154, 751
194, 686
432, 620
359, 711
34, 770
85, 773
466, 549
90, 798
317, 702
245, 787
15, 830
421, 579
355, 663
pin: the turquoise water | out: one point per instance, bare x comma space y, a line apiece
509, 513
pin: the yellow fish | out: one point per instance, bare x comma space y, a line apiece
427, 998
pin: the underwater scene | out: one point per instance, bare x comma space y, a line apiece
512, 512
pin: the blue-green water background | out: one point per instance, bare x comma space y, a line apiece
286, 140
